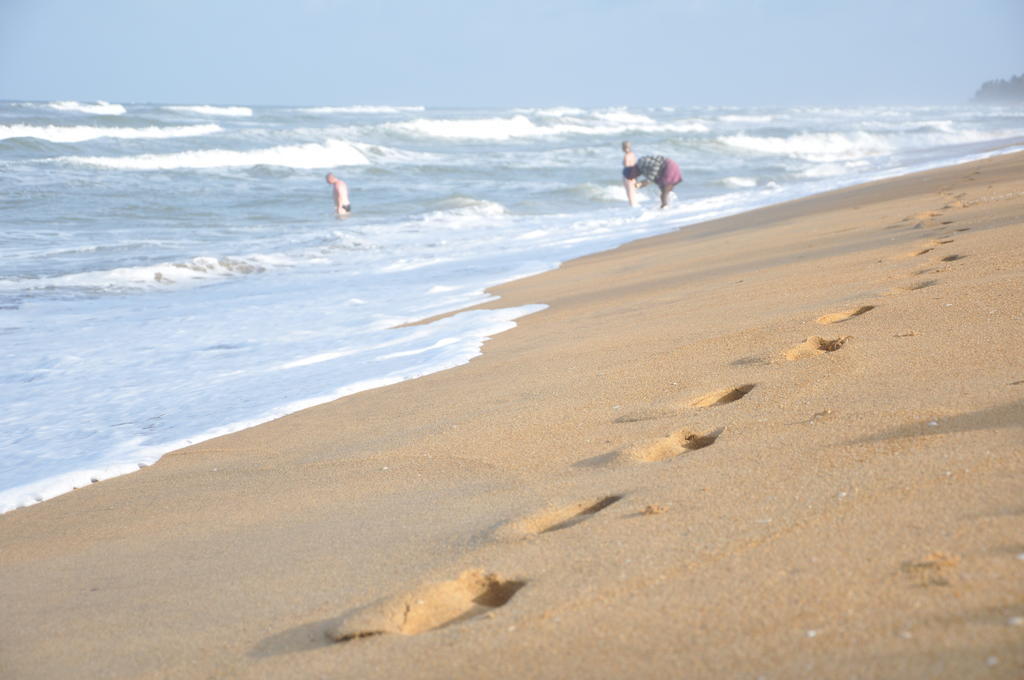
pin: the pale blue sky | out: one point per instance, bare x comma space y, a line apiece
512, 53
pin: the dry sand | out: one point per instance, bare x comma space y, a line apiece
787, 444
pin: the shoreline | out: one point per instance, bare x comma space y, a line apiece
53, 487
661, 470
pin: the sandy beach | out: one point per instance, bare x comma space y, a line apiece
785, 444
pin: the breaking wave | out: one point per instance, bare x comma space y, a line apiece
100, 108
121, 279
521, 127
83, 133
302, 156
823, 147
362, 109
207, 110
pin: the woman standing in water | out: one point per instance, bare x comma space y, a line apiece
628, 161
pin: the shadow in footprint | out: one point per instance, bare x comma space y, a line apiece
953, 258
839, 317
656, 450
750, 361
554, 519
722, 397
815, 345
429, 607
673, 407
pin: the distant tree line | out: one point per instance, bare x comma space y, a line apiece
1001, 91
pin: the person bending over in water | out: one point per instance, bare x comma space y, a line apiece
661, 170
628, 161
341, 202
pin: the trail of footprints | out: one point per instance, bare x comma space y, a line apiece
476, 593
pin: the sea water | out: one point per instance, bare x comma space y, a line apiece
169, 273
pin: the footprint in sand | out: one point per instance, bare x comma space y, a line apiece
919, 252
662, 448
554, 518
952, 258
916, 285
941, 242
839, 317
815, 345
721, 397
429, 607
935, 569
674, 407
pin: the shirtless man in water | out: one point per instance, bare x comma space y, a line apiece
341, 202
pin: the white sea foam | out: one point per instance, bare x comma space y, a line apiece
418, 351
685, 126
822, 147
389, 155
191, 272
331, 153
207, 110
612, 193
83, 133
554, 111
735, 118
624, 117
100, 108
362, 109
456, 212
521, 127
814, 146
493, 129
740, 182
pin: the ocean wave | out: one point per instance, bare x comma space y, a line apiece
361, 109
737, 118
555, 111
819, 146
207, 110
100, 108
389, 155
947, 126
84, 133
740, 182
494, 129
608, 193
521, 127
457, 209
823, 147
331, 153
197, 270
624, 117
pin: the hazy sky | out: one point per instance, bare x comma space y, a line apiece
517, 52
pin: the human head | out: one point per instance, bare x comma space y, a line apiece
331, 179
626, 147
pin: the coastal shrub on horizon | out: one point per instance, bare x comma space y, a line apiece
1001, 91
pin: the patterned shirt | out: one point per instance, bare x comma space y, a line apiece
650, 166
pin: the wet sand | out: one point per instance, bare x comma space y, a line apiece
787, 444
